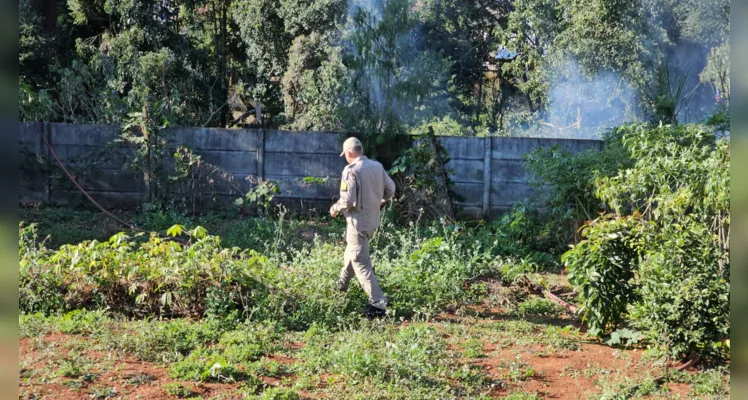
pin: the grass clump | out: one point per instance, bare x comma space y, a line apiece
279, 394
178, 390
539, 306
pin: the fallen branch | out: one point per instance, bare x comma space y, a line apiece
572, 308
547, 293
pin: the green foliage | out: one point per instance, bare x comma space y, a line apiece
391, 81
666, 260
162, 341
664, 95
522, 233
716, 73
619, 336
473, 348
196, 179
70, 368
312, 82
156, 276
603, 267
710, 382
376, 68
702, 21
259, 196
314, 180
539, 306
103, 393
604, 34
151, 276
685, 298
39, 292
521, 396
565, 182
519, 371
423, 181
279, 394
178, 390
199, 366
410, 355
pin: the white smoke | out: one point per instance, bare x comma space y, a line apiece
582, 106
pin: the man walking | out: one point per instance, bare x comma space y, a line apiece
364, 187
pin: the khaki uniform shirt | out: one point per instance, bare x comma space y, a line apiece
364, 187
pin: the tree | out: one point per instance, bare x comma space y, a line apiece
312, 84
394, 81
268, 29
467, 33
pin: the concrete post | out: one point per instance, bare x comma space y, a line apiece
48, 155
261, 153
486, 177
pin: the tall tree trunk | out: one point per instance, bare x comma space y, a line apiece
476, 114
222, 70
49, 13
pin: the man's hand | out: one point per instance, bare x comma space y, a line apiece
333, 213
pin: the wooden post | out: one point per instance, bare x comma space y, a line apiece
258, 112
486, 177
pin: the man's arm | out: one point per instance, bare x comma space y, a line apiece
347, 194
389, 187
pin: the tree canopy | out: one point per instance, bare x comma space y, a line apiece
376, 67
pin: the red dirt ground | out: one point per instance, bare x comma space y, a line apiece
559, 376
117, 376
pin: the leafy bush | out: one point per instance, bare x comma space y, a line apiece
424, 187
538, 306
178, 390
602, 269
566, 182
279, 394
523, 232
39, 291
166, 341
411, 355
158, 277
154, 277
662, 262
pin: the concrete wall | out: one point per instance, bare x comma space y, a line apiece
487, 172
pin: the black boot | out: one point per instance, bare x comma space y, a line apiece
374, 312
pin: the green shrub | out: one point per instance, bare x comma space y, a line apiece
566, 183
249, 343
602, 269
157, 277
39, 290
412, 354
662, 263
178, 390
205, 365
70, 368
164, 341
279, 394
81, 322
538, 306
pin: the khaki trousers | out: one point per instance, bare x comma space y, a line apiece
358, 262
